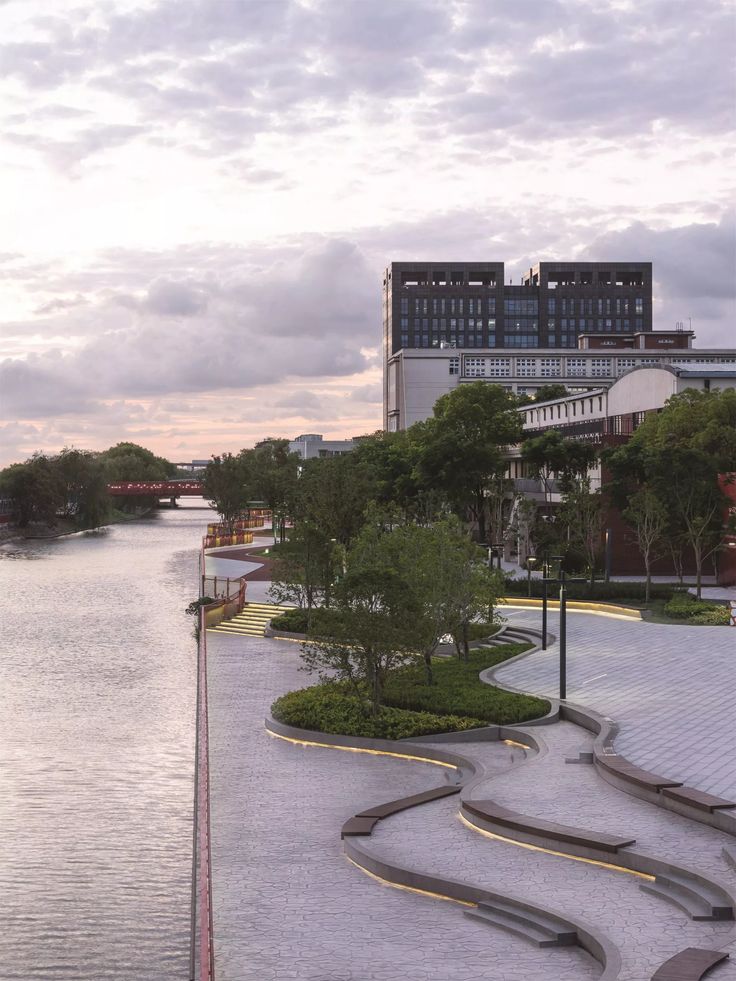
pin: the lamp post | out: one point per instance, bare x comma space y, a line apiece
563, 636
530, 563
499, 546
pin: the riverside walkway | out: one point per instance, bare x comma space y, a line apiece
288, 904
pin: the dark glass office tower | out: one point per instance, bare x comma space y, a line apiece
468, 304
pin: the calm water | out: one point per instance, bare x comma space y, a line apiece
97, 699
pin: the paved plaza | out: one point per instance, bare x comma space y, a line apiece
289, 905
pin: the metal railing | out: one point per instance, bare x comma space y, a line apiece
202, 948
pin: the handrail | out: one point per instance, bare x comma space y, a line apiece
205, 935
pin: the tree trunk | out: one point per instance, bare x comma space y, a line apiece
466, 648
648, 585
428, 668
481, 513
698, 573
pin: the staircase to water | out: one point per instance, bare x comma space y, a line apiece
251, 621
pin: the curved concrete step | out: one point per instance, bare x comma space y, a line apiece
699, 901
541, 930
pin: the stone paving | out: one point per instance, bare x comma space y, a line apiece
670, 688
287, 903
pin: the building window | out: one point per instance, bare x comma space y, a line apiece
454, 366
404, 304
600, 367
577, 366
491, 305
526, 367
639, 305
520, 340
475, 367
550, 367
551, 306
404, 323
516, 306
499, 367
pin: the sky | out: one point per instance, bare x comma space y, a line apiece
199, 197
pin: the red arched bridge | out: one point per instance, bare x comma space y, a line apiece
156, 488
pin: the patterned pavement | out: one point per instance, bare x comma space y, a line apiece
288, 904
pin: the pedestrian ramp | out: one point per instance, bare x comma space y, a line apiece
250, 622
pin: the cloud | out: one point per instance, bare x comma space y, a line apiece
535, 70
693, 272
247, 325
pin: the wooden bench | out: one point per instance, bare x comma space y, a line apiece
364, 822
689, 965
698, 799
491, 811
634, 774
404, 803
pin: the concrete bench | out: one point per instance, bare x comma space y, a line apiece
689, 965
489, 810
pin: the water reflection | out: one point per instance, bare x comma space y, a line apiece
96, 719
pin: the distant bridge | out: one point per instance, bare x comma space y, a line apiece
156, 488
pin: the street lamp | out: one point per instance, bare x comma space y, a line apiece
530, 563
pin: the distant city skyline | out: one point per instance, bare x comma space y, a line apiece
200, 198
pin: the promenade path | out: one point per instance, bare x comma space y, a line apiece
670, 688
289, 905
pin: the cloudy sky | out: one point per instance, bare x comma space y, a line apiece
199, 196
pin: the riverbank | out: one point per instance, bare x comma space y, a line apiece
65, 527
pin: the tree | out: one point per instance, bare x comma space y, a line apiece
647, 515
223, 485
372, 627
550, 392
35, 488
305, 568
270, 472
582, 512
462, 445
333, 495
129, 461
678, 455
85, 487
551, 455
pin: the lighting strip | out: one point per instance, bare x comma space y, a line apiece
360, 749
550, 851
419, 892
513, 742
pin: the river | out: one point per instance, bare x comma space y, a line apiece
97, 703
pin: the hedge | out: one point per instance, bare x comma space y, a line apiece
624, 591
458, 701
685, 606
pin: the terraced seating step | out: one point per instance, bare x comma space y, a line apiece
729, 854
690, 964
489, 810
355, 826
540, 929
699, 900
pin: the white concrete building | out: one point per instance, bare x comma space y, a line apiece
311, 446
417, 378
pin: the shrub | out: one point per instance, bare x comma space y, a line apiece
684, 606
330, 708
459, 691
632, 592
294, 621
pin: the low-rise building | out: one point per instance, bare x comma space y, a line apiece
416, 378
312, 446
